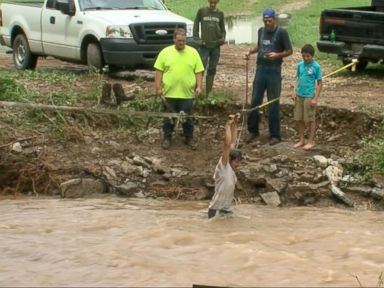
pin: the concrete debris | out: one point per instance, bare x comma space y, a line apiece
321, 161
16, 147
377, 193
341, 196
127, 189
334, 174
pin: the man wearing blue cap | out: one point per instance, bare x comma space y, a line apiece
272, 46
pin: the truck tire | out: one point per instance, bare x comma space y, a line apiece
22, 55
360, 66
94, 56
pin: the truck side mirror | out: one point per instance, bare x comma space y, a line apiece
66, 7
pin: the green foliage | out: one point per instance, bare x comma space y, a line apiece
229, 7
64, 99
144, 103
373, 154
370, 159
216, 98
50, 77
11, 91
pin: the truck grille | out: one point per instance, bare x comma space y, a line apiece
154, 33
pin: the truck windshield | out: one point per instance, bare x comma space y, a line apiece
121, 4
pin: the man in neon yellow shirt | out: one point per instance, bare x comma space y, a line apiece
179, 74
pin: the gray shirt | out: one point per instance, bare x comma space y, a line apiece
225, 181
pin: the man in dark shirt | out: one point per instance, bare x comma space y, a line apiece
210, 22
272, 46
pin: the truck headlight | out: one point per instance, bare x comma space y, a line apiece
118, 31
189, 30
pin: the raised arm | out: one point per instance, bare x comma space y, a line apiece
230, 136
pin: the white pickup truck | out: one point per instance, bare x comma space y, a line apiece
123, 34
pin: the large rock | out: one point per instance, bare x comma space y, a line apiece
278, 185
377, 193
109, 173
271, 199
128, 168
321, 161
341, 196
334, 174
137, 160
127, 189
82, 187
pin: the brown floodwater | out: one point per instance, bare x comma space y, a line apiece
140, 242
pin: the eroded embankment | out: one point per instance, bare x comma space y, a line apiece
97, 158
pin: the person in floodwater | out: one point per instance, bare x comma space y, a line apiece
210, 22
225, 177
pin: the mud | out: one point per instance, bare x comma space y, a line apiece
101, 148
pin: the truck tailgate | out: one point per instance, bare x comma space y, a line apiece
357, 25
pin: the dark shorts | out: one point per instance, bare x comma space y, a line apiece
212, 213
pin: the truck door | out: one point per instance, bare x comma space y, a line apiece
60, 32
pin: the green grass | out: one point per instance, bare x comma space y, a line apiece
370, 160
188, 8
13, 90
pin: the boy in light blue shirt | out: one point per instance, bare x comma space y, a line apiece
306, 94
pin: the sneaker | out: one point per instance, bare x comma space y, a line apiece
189, 141
274, 141
166, 143
251, 137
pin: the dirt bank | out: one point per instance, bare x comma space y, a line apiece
130, 162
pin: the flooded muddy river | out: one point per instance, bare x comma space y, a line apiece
134, 242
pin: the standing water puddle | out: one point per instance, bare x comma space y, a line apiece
243, 29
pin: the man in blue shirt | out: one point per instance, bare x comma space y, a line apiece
272, 46
306, 94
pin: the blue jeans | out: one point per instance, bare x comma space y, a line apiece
178, 105
210, 57
267, 78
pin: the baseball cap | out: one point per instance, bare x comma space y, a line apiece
269, 13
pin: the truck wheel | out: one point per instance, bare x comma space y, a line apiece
94, 56
22, 55
360, 66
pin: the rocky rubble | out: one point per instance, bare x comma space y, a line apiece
279, 180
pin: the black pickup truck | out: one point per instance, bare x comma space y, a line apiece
354, 33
